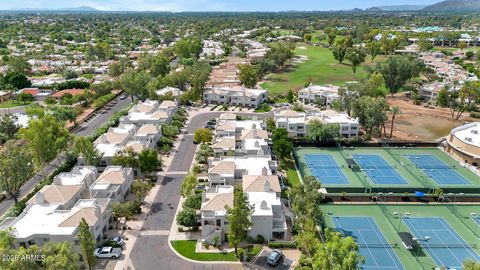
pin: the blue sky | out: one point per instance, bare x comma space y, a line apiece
208, 5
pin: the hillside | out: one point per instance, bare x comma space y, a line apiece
455, 6
400, 7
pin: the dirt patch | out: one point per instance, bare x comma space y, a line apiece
419, 123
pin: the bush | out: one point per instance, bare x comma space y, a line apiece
241, 254
282, 244
475, 114
260, 239
193, 201
103, 100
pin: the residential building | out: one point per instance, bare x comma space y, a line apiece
114, 183
236, 96
213, 214
292, 121
114, 140
150, 134
429, 92
322, 95
349, 126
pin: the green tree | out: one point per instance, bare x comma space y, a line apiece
465, 99
471, 265
125, 158
339, 52
371, 113
374, 48
15, 168
397, 71
202, 135
331, 34
337, 253
148, 160
87, 244
238, 218
282, 145
8, 127
347, 96
122, 210
356, 57
141, 189
203, 153
135, 83
248, 75
19, 65
160, 65
60, 256
46, 137
188, 184
307, 37
290, 96
16, 80
271, 126
394, 110
25, 97
187, 217
442, 97
193, 201
425, 45
84, 147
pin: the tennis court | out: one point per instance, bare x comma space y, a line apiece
325, 169
378, 170
437, 170
441, 242
371, 242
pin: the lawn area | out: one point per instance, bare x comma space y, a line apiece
187, 249
320, 67
12, 103
292, 174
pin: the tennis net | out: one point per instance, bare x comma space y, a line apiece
377, 245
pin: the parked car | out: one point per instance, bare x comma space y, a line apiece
123, 96
117, 240
274, 257
108, 253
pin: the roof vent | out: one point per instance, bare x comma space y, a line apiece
468, 139
263, 205
266, 186
474, 131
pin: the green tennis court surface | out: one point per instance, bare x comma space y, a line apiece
372, 244
389, 220
385, 168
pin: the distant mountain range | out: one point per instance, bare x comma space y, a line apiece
455, 6
398, 8
75, 9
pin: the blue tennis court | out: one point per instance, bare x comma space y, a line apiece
326, 170
378, 170
437, 170
441, 242
371, 242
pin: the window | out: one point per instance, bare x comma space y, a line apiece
31, 242
219, 222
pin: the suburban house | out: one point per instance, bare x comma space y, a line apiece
150, 134
73, 92
40, 223
236, 96
149, 112
213, 214
349, 126
114, 183
223, 146
113, 141
429, 92
322, 95
292, 121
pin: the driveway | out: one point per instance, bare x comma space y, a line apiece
261, 262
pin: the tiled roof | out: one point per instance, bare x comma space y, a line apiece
57, 194
217, 202
223, 167
256, 183
88, 213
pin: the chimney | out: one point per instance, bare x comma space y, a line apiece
264, 171
254, 126
98, 211
257, 144
263, 205
266, 186
254, 132
40, 198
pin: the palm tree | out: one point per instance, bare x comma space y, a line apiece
395, 110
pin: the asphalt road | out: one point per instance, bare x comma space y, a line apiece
84, 129
87, 128
14, 110
152, 251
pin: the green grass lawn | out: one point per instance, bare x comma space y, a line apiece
292, 174
320, 67
12, 104
187, 249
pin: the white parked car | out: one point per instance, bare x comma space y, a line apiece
108, 253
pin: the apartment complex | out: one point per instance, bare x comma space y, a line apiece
235, 96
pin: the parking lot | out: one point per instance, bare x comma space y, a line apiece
260, 262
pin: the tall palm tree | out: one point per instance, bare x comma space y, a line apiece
394, 110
